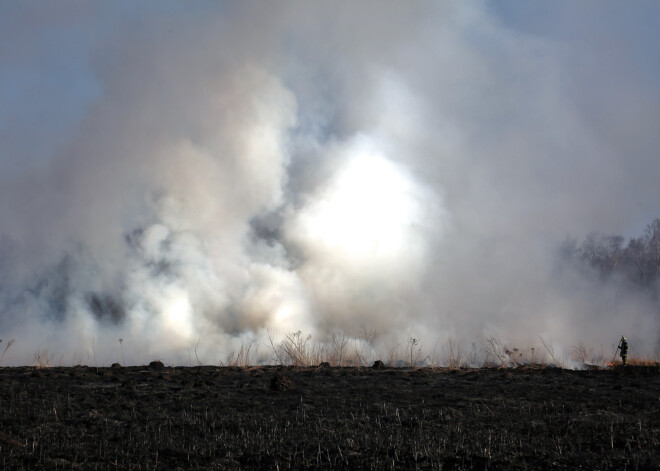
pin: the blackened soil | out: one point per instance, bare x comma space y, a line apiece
357, 418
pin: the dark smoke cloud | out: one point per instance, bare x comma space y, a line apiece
179, 174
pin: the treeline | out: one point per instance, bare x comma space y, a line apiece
635, 261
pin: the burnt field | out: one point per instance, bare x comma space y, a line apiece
313, 418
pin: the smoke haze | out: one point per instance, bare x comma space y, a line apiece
198, 174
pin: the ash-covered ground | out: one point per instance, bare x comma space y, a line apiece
274, 417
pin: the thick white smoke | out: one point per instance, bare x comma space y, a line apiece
206, 174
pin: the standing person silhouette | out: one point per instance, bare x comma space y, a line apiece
623, 346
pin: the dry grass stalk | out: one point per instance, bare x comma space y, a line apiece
9, 344
199, 363
294, 349
43, 359
245, 355
495, 352
549, 347
339, 344
644, 361
454, 354
413, 352
579, 354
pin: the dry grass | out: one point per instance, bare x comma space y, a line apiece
642, 361
496, 352
245, 355
300, 350
297, 349
43, 359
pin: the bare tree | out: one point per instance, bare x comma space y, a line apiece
635, 263
636, 256
652, 236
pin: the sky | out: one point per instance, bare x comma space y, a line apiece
195, 175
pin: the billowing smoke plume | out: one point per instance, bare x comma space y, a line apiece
192, 175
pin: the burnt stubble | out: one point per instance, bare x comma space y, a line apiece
274, 417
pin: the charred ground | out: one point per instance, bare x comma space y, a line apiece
328, 417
